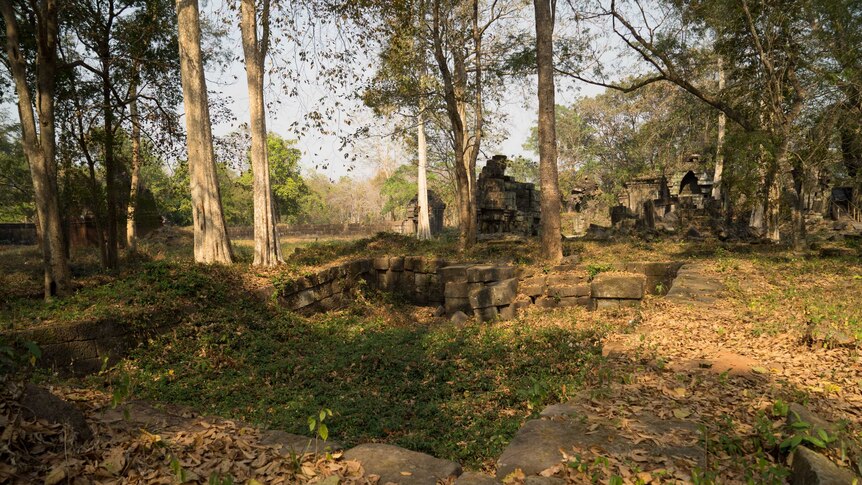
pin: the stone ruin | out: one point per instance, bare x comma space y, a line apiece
485, 291
584, 206
436, 210
506, 206
656, 199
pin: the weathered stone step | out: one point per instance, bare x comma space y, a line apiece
398, 465
536, 447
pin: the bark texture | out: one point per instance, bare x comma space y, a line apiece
210, 234
423, 232
131, 228
552, 248
465, 141
40, 146
719, 142
267, 250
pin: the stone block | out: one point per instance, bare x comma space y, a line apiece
547, 302
456, 273
565, 268
324, 291
423, 281
565, 279
413, 263
506, 312
649, 268
398, 465
432, 265
454, 305
495, 294
812, 468
359, 266
487, 273
396, 263
602, 303
521, 302
459, 318
301, 299
456, 289
534, 286
569, 290
571, 301
488, 314
381, 263
618, 286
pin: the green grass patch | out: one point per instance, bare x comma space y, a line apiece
455, 392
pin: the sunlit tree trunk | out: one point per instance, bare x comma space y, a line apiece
719, 142
210, 234
40, 146
552, 249
267, 251
131, 227
424, 230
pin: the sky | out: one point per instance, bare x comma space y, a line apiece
319, 151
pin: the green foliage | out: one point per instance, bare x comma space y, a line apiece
399, 189
16, 186
384, 380
595, 268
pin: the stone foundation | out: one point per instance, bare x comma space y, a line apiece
486, 291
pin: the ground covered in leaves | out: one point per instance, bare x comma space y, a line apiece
786, 329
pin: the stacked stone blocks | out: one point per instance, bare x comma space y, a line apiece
485, 291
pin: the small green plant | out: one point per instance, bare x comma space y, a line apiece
803, 435
594, 269
317, 425
660, 289
780, 408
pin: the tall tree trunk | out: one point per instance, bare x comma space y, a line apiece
423, 232
110, 165
210, 233
719, 142
267, 251
772, 203
552, 247
454, 93
135, 187
40, 147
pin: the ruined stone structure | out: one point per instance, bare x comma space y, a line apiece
436, 209
583, 207
504, 205
647, 200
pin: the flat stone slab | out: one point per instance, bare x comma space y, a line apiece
811, 468
618, 286
494, 294
473, 478
693, 285
398, 465
294, 444
536, 447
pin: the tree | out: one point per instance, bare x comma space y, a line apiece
16, 186
766, 47
40, 145
210, 234
267, 250
423, 231
552, 246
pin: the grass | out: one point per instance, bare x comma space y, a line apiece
456, 392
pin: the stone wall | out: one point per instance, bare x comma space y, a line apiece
485, 291
506, 206
82, 348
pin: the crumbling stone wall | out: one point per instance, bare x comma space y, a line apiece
506, 206
485, 291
